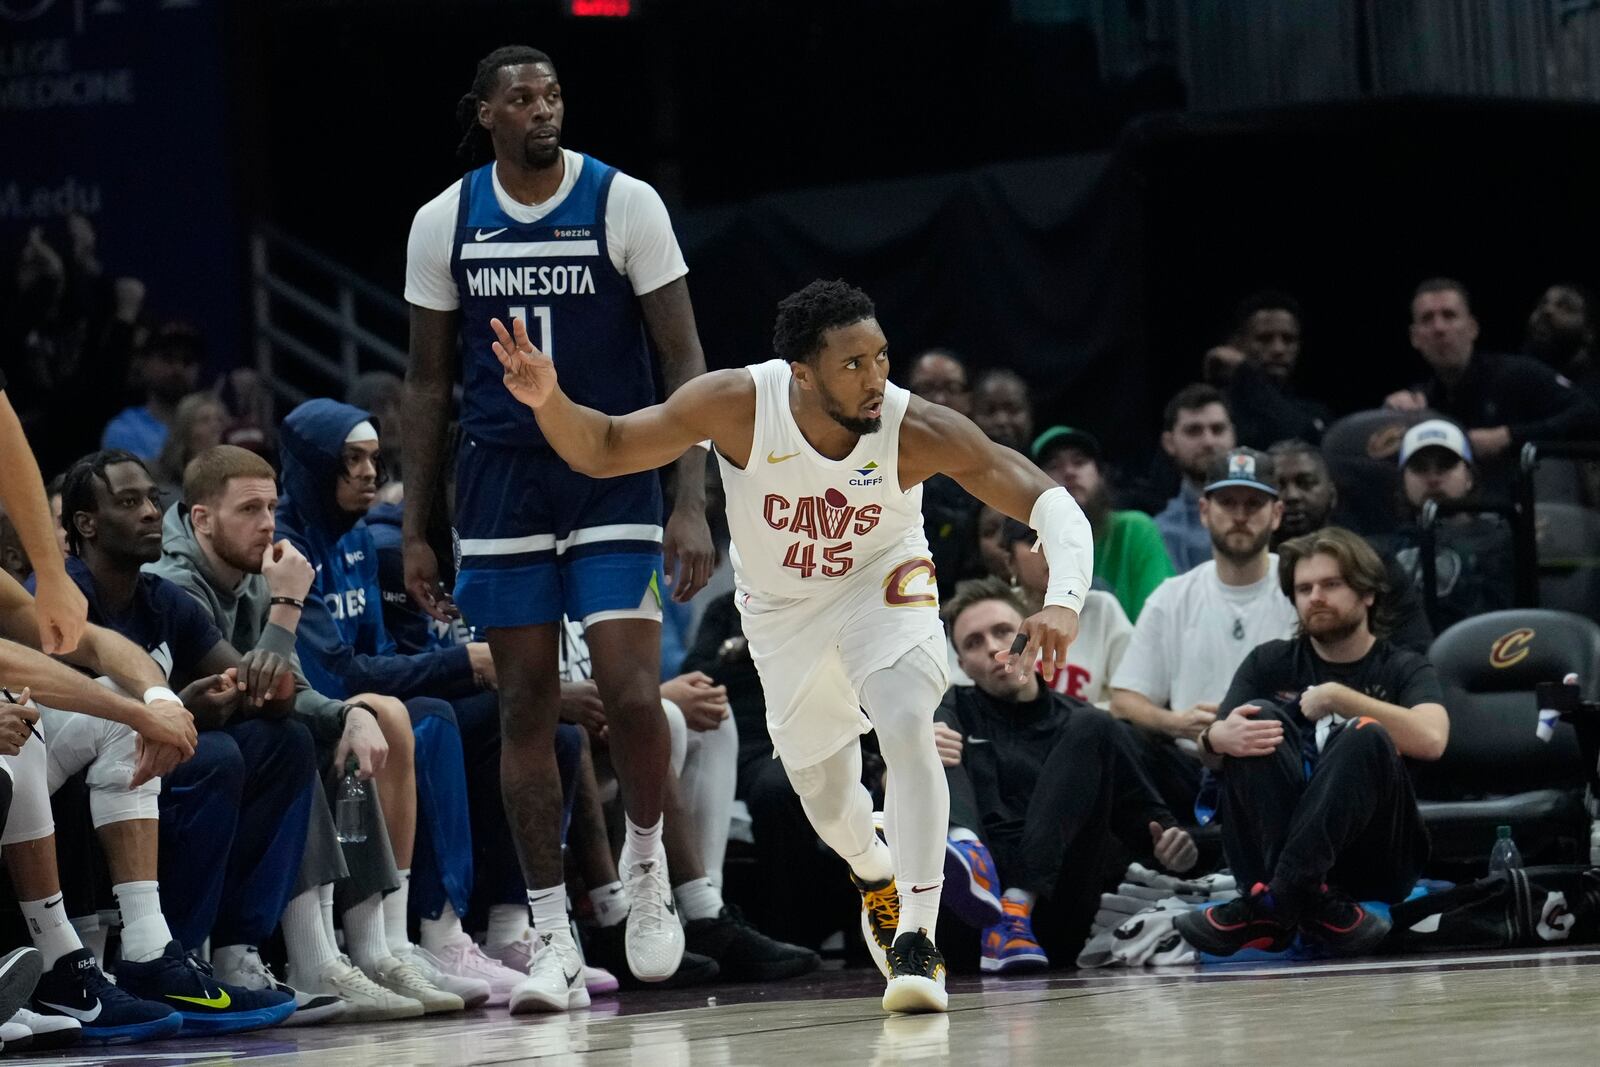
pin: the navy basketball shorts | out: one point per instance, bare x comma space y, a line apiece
535, 541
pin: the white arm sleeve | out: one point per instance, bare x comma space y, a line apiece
638, 225
1068, 545
429, 283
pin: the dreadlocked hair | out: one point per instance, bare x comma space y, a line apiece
805, 315
77, 489
475, 148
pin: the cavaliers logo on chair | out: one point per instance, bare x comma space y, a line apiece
1510, 649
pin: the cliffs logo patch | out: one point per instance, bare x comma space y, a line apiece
1510, 649
869, 475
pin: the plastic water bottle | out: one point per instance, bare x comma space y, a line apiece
1594, 843
1504, 856
350, 809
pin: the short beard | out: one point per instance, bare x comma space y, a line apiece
237, 560
855, 425
1336, 633
537, 157
1097, 508
1220, 543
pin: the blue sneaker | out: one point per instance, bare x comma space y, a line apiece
971, 885
1009, 946
206, 1005
76, 988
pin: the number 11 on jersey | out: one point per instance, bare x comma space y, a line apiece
519, 311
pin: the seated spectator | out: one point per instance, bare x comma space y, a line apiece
1310, 500
1002, 408
1199, 428
939, 376
13, 556
247, 796
166, 368
1561, 334
1472, 553
197, 425
254, 425
949, 512
1256, 369
331, 469
219, 548
1502, 401
805, 894
1197, 628
1317, 808
379, 392
1042, 789
1128, 552
1103, 627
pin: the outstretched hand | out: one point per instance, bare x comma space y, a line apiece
530, 374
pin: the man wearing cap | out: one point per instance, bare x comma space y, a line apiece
1128, 553
1503, 401
1198, 429
1317, 808
1197, 628
1472, 553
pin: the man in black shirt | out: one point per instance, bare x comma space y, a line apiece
1317, 806
1503, 401
1048, 783
1256, 368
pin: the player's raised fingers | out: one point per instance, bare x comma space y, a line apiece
500, 332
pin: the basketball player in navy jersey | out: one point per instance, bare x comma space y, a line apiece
586, 256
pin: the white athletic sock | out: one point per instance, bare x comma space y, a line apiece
548, 909
643, 843
145, 934
325, 903
394, 916
507, 923
698, 898
91, 934
876, 864
1022, 895
446, 929
365, 935
919, 907
610, 903
961, 833
305, 939
52, 934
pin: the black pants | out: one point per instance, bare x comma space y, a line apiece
1090, 813
1353, 825
805, 890
1174, 771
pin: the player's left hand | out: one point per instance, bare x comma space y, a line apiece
1050, 633
689, 557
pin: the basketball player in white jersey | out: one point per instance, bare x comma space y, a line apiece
822, 462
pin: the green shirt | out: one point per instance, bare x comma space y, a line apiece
1130, 557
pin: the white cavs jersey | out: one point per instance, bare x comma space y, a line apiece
802, 523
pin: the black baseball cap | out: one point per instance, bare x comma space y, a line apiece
1243, 467
1065, 437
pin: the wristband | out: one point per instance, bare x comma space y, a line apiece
289, 600
1205, 741
160, 692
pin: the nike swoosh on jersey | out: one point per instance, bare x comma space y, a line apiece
221, 1001
779, 459
481, 236
76, 1013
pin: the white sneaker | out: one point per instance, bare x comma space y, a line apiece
310, 1009
15, 1036
555, 978
653, 942
368, 1001
463, 958
403, 977
474, 992
49, 1031
518, 956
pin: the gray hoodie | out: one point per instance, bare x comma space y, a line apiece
241, 614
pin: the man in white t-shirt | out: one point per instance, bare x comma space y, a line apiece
1198, 627
584, 256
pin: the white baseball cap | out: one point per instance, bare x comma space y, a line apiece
1435, 433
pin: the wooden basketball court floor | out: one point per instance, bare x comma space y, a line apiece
1499, 1008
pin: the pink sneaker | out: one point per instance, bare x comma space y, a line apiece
518, 956
462, 958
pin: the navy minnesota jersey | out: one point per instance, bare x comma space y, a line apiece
557, 277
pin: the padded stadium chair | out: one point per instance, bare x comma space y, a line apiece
1495, 771
1559, 481
1362, 450
1569, 558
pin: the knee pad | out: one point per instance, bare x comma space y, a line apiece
807, 781
905, 692
29, 817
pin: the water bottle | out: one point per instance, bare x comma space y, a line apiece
350, 809
1504, 856
1594, 843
